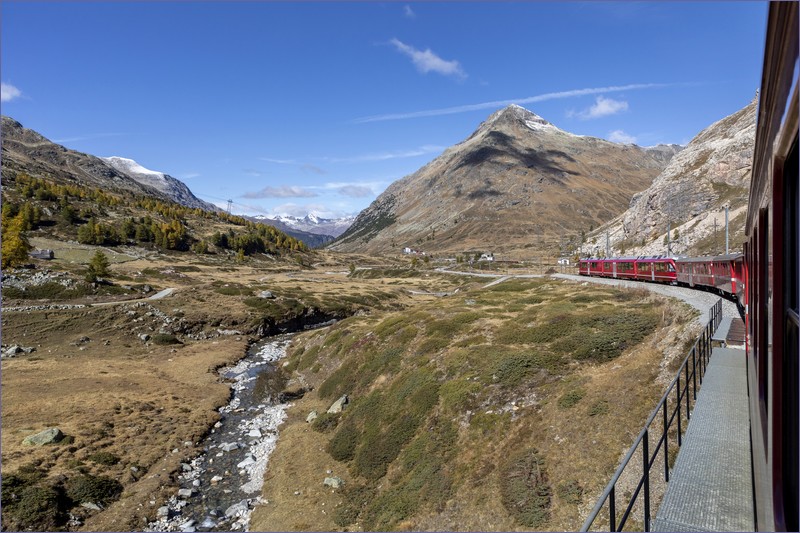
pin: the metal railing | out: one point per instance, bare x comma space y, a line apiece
681, 394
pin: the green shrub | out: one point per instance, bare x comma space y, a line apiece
101, 490
342, 447
104, 458
512, 369
378, 449
354, 499
524, 488
514, 285
598, 408
308, 358
458, 395
390, 325
340, 382
48, 291
233, 290
432, 345
165, 339
33, 508
570, 491
571, 398
326, 422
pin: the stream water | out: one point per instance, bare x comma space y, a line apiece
220, 487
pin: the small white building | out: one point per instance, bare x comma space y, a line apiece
487, 257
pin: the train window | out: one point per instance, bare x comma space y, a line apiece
764, 320
791, 323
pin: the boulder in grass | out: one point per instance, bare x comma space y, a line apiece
338, 405
48, 436
334, 482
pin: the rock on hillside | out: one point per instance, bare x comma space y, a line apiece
517, 182
172, 187
711, 172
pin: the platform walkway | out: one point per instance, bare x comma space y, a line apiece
710, 487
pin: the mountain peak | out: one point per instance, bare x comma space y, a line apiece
516, 115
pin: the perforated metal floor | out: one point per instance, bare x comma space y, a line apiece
710, 485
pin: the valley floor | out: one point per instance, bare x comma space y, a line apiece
134, 388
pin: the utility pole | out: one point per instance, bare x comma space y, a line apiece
608, 247
727, 249
715, 235
230, 204
669, 238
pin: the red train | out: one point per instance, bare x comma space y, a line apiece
765, 280
723, 274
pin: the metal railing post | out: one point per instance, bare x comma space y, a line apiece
688, 411
646, 469
694, 372
678, 392
612, 509
666, 443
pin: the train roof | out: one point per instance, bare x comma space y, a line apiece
709, 258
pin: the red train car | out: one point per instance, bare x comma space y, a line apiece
661, 269
771, 265
723, 273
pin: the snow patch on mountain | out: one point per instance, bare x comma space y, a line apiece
172, 187
313, 223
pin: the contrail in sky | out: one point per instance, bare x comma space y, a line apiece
501, 103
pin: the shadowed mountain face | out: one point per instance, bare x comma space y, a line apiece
517, 182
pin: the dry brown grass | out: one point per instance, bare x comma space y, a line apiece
139, 402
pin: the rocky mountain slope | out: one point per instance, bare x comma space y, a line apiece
690, 195
27, 151
517, 182
172, 187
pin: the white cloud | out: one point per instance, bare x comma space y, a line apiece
427, 61
501, 103
408, 12
355, 191
189, 175
384, 156
284, 191
602, 107
306, 167
619, 136
279, 161
372, 185
8, 92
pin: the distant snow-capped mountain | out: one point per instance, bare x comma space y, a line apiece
313, 223
172, 187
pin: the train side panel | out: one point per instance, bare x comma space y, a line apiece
772, 299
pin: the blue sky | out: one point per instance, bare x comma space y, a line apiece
297, 107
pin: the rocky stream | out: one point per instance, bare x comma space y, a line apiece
220, 487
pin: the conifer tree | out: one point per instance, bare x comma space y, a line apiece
15, 245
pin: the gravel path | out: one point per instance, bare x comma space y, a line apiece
700, 300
